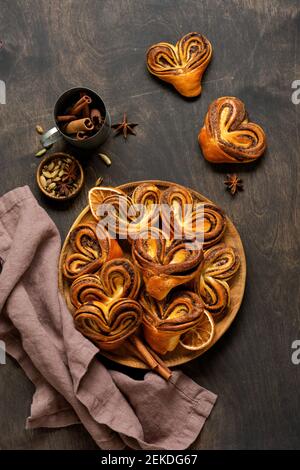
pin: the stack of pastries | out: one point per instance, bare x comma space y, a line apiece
164, 271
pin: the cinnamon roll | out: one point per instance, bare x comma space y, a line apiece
228, 136
128, 216
214, 224
183, 217
117, 279
220, 264
164, 322
165, 263
106, 310
91, 248
181, 65
108, 325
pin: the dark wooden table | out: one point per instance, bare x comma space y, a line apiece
50, 46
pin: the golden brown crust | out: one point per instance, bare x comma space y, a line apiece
214, 224
106, 311
181, 65
146, 193
203, 221
110, 325
220, 264
130, 215
227, 135
165, 263
91, 247
86, 289
117, 279
164, 322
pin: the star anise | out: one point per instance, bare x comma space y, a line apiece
71, 173
234, 184
124, 127
64, 188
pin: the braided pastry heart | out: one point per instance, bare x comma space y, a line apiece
227, 135
91, 248
181, 65
164, 322
220, 264
128, 216
106, 310
203, 221
117, 279
165, 263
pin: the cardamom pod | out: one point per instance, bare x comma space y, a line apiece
105, 158
54, 173
47, 174
39, 129
43, 181
40, 153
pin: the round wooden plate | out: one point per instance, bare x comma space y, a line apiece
237, 286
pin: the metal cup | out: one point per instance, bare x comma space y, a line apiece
68, 98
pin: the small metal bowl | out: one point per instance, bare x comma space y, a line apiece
47, 161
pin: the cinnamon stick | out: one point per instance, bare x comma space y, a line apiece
84, 124
66, 118
86, 109
149, 359
84, 101
81, 135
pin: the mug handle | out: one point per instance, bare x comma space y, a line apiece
50, 137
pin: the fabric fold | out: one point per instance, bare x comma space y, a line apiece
72, 384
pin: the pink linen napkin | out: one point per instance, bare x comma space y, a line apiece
72, 385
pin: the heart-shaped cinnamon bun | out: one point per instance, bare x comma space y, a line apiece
126, 216
181, 65
117, 279
165, 263
204, 222
228, 136
91, 248
106, 310
108, 325
164, 322
220, 264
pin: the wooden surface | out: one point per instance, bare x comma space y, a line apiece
53, 45
237, 286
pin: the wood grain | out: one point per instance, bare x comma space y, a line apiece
50, 46
180, 355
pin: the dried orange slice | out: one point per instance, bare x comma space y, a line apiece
97, 195
201, 336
